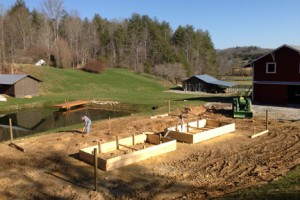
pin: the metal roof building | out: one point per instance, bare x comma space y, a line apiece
19, 85
206, 83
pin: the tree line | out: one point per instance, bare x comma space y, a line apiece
231, 60
139, 43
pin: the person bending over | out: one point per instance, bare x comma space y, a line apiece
88, 123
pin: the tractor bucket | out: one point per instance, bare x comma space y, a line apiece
242, 114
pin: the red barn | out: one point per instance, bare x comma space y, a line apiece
276, 76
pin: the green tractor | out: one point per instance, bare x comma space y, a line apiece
241, 106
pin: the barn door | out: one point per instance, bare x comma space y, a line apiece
294, 94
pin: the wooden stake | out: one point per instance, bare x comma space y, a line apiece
96, 169
99, 147
187, 127
10, 131
133, 140
169, 107
109, 128
117, 142
267, 121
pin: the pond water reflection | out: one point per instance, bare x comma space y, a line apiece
29, 122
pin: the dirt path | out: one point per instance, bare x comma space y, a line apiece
50, 169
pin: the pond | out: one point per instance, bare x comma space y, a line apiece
33, 121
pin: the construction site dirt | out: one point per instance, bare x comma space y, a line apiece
50, 168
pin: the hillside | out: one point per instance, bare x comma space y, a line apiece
231, 59
120, 85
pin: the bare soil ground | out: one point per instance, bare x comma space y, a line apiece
50, 169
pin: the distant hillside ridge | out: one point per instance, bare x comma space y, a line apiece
231, 60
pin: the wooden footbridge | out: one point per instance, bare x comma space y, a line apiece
68, 105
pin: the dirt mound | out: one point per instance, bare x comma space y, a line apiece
195, 110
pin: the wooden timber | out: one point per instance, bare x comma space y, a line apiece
112, 163
17, 146
259, 134
68, 111
111, 146
69, 105
159, 116
128, 147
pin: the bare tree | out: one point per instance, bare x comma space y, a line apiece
73, 28
54, 11
62, 54
17, 30
90, 42
171, 71
2, 49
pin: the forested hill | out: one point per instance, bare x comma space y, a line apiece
234, 58
140, 43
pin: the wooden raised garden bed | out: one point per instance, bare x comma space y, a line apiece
198, 131
125, 151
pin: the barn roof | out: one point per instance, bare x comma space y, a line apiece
10, 79
211, 80
293, 47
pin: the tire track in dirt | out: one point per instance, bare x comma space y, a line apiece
249, 164
222, 169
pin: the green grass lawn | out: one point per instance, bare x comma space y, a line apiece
140, 91
243, 81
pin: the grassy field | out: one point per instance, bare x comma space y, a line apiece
243, 81
135, 90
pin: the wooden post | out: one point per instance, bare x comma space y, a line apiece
10, 131
187, 127
117, 142
109, 128
159, 138
96, 169
267, 119
133, 138
99, 147
197, 123
169, 107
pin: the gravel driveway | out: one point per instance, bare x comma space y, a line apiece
276, 112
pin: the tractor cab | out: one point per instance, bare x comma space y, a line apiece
241, 106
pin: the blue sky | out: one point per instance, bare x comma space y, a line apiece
231, 23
